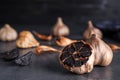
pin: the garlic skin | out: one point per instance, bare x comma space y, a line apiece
102, 52
64, 41
7, 33
60, 29
43, 48
92, 30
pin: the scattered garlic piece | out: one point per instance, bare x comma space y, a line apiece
26, 40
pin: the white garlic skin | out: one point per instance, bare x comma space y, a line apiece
92, 30
7, 33
102, 52
60, 29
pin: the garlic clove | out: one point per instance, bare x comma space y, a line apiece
77, 57
60, 29
102, 52
26, 40
92, 30
43, 48
7, 33
63, 41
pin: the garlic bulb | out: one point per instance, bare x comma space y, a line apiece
77, 57
92, 30
60, 29
102, 52
7, 33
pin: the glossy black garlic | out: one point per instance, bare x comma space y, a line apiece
25, 59
10, 55
75, 54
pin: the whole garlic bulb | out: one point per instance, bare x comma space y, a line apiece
103, 53
77, 57
60, 29
7, 33
92, 30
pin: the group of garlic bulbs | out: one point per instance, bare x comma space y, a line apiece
101, 52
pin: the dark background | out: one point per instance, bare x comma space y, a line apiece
105, 15
46, 11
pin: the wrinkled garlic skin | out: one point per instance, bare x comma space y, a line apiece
83, 67
26, 40
60, 29
102, 52
7, 33
92, 30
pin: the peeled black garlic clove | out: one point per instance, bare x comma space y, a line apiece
92, 30
60, 29
63, 41
25, 59
7, 33
10, 55
77, 57
43, 37
102, 52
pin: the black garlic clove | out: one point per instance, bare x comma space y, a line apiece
10, 55
25, 59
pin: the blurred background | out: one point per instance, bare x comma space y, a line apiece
105, 14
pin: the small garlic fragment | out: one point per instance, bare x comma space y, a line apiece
43, 37
43, 48
63, 41
60, 29
114, 47
92, 30
7, 33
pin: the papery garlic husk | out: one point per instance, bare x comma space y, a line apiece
77, 57
26, 40
43, 37
7, 33
60, 29
92, 30
102, 52
114, 46
63, 41
43, 48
